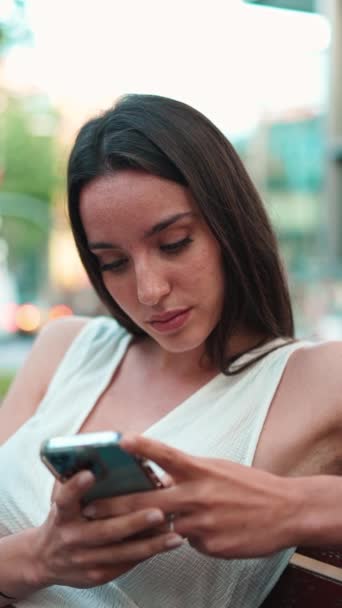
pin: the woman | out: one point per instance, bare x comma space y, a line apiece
176, 242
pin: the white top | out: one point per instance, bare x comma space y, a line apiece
223, 419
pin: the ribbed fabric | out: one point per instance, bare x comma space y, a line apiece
223, 419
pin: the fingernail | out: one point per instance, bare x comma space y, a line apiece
155, 517
128, 440
89, 511
85, 478
174, 541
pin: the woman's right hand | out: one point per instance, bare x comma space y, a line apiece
77, 552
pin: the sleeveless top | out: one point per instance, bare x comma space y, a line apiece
223, 419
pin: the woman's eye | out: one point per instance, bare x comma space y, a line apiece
113, 266
176, 246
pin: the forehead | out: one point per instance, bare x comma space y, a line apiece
133, 195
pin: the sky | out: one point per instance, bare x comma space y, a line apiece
233, 61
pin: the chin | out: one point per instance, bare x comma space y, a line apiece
181, 344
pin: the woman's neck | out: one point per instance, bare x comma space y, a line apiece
190, 364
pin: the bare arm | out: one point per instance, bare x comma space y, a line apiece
232, 511
229, 510
318, 521
69, 550
66, 549
32, 380
16, 571
20, 404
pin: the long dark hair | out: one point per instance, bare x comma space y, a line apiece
172, 140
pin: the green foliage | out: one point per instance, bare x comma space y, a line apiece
5, 381
27, 256
29, 148
29, 152
14, 30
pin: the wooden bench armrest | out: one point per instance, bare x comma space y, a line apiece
309, 581
316, 567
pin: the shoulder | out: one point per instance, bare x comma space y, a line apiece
317, 368
60, 332
54, 340
68, 326
320, 357
306, 413
49, 349
32, 380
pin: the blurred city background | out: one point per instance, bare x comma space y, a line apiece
266, 72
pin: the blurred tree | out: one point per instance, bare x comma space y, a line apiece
27, 178
29, 149
29, 183
13, 25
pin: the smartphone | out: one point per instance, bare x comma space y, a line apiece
116, 471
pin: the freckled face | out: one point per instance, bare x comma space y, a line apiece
158, 258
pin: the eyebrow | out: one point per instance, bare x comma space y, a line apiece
159, 227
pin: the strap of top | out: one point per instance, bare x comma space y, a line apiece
94, 354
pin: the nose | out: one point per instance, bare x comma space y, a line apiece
152, 284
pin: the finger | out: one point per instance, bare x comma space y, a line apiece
55, 490
174, 462
69, 494
130, 551
168, 500
167, 481
116, 529
102, 575
193, 525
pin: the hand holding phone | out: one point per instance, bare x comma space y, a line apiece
116, 471
72, 550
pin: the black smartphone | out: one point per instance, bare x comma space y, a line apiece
116, 471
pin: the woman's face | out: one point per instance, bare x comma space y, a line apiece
159, 260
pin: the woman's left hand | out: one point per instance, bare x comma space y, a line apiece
224, 509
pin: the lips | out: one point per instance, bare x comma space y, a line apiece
164, 318
171, 321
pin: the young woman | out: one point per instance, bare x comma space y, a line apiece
200, 355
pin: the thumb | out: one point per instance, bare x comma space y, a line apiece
68, 495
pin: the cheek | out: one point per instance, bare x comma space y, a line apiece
121, 291
204, 281
207, 270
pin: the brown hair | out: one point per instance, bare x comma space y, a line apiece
172, 140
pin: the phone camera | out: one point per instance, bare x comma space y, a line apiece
60, 460
62, 463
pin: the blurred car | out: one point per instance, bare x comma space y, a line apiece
8, 302
26, 318
29, 317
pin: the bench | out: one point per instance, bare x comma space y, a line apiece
313, 579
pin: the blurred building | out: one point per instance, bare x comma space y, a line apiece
302, 176
332, 9
298, 5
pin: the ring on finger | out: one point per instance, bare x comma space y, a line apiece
170, 520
